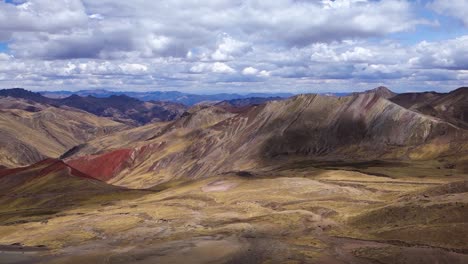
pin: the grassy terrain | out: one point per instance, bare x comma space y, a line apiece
325, 213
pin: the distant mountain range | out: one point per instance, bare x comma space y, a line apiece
121, 108
171, 96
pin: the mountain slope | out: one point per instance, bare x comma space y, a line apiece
107, 157
32, 132
120, 108
308, 126
451, 107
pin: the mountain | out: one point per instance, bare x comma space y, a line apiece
451, 107
120, 108
30, 131
171, 96
210, 141
381, 91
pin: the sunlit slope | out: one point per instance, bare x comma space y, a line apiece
31, 133
358, 127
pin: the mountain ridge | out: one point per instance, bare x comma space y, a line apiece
451, 106
305, 126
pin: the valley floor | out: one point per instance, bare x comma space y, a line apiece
302, 213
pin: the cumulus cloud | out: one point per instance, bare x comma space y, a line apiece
228, 48
450, 54
250, 71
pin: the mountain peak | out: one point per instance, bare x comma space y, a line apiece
382, 91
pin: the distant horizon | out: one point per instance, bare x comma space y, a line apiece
215, 93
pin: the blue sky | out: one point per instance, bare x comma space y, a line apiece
3, 47
234, 45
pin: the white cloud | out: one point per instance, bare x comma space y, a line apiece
449, 54
217, 67
96, 16
228, 48
264, 73
357, 54
455, 8
133, 68
249, 71
4, 56
347, 52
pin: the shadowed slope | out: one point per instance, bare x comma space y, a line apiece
48, 189
45, 188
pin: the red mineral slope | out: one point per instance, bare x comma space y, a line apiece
44, 168
58, 165
103, 167
51, 171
